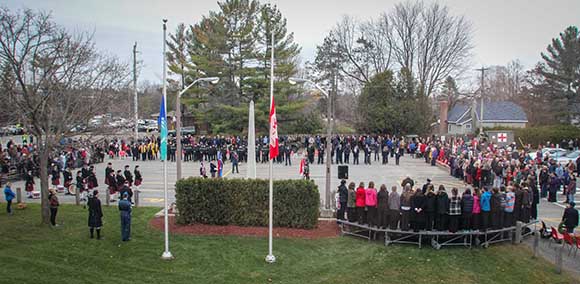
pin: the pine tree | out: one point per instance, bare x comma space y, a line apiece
561, 66
234, 44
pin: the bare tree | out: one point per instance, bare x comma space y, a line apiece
505, 82
60, 80
426, 40
406, 22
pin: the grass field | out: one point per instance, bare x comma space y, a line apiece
33, 253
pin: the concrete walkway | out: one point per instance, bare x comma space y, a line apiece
548, 249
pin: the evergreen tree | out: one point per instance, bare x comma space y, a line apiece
235, 44
561, 67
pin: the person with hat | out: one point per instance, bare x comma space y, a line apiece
425, 186
125, 211
343, 198
128, 175
95, 214
138, 176
53, 204
126, 188
570, 218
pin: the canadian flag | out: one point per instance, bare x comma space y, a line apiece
273, 130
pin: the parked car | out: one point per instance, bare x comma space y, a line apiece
572, 156
553, 152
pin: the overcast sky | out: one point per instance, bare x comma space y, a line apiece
503, 30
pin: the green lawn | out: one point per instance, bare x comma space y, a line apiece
31, 253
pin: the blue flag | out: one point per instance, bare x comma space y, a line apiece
162, 121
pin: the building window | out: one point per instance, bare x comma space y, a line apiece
449, 128
468, 126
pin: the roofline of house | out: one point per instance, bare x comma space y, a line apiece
464, 113
506, 120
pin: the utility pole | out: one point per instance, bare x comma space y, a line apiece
136, 100
482, 92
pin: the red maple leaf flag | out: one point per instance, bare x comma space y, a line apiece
273, 130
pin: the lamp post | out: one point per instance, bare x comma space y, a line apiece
328, 145
213, 80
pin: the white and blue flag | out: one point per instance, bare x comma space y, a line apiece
162, 121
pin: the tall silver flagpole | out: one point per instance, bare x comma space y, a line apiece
270, 258
166, 254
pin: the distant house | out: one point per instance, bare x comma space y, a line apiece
460, 119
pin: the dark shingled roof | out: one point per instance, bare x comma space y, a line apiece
501, 111
492, 111
457, 111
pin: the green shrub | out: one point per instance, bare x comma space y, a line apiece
244, 202
543, 134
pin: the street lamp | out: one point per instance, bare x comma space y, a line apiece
212, 80
328, 147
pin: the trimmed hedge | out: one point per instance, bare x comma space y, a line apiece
244, 202
542, 134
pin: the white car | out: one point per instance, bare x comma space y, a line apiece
553, 152
572, 156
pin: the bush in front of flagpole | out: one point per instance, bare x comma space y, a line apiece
244, 202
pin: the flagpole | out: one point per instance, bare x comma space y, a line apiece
270, 258
166, 254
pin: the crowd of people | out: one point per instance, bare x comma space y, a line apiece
428, 208
487, 165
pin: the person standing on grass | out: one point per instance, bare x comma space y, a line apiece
125, 211
351, 203
343, 198
95, 215
53, 204
9, 195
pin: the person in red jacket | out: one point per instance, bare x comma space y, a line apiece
371, 203
360, 203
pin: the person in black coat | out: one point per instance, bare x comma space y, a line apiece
418, 203
535, 198
95, 215
570, 217
442, 208
343, 198
128, 175
467, 209
430, 207
383, 207
496, 209
120, 179
138, 176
